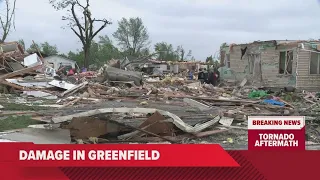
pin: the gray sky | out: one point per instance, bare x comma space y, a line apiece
199, 25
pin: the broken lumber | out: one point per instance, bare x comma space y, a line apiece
175, 119
19, 72
74, 89
12, 85
196, 104
144, 131
71, 102
209, 133
285, 102
131, 134
214, 99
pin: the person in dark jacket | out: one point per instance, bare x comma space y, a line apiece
205, 74
218, 72
201, 76
217, 76
210, 77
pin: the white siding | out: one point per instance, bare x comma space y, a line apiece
56, 60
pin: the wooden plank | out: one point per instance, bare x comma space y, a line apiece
19, 72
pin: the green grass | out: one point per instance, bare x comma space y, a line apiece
16, 122
21, 107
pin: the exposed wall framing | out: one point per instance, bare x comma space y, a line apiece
228, 63
314, 65
285, 62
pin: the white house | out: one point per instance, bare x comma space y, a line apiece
55, 61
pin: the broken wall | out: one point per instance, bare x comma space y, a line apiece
183, 66
161, 67
269, 56
305, 80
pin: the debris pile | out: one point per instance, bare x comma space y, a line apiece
113, 105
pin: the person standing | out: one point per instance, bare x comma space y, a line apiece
211, 77
216, 77
190, 75
201, 76
205, 75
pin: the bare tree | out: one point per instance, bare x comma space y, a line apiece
81, 24
7, 19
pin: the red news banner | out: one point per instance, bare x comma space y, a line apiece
276, 132
115, 155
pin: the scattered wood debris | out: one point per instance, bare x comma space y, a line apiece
114, 105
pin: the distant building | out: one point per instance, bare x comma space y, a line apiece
55, 61
276, 63
175, 67
187, 65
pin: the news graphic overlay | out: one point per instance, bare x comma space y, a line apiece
116, 155
276, 132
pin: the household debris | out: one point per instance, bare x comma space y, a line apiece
114, 105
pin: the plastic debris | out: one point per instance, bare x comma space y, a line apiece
273, 102
257, 94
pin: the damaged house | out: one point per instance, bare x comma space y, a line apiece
56, 61
273, 63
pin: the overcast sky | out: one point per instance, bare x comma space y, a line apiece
199, 25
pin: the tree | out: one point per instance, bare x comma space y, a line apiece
48, 49
132, 36
101, 52
77, 56
223, 45
210, 61
81, 24
182, 54
106, 50
7, 20
34, 47
45, 48
165, 52
21, 42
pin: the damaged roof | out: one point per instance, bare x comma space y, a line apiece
277, 42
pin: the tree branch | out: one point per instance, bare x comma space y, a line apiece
106, 22
142, 59
13, 13
6, 25
76, 19
79, 36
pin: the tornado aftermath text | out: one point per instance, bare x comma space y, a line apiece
280, 140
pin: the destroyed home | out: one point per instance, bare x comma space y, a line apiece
11, 48
56, 61
174, 66
187, 65
12, 57
154, 66
273, 63
157, 67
